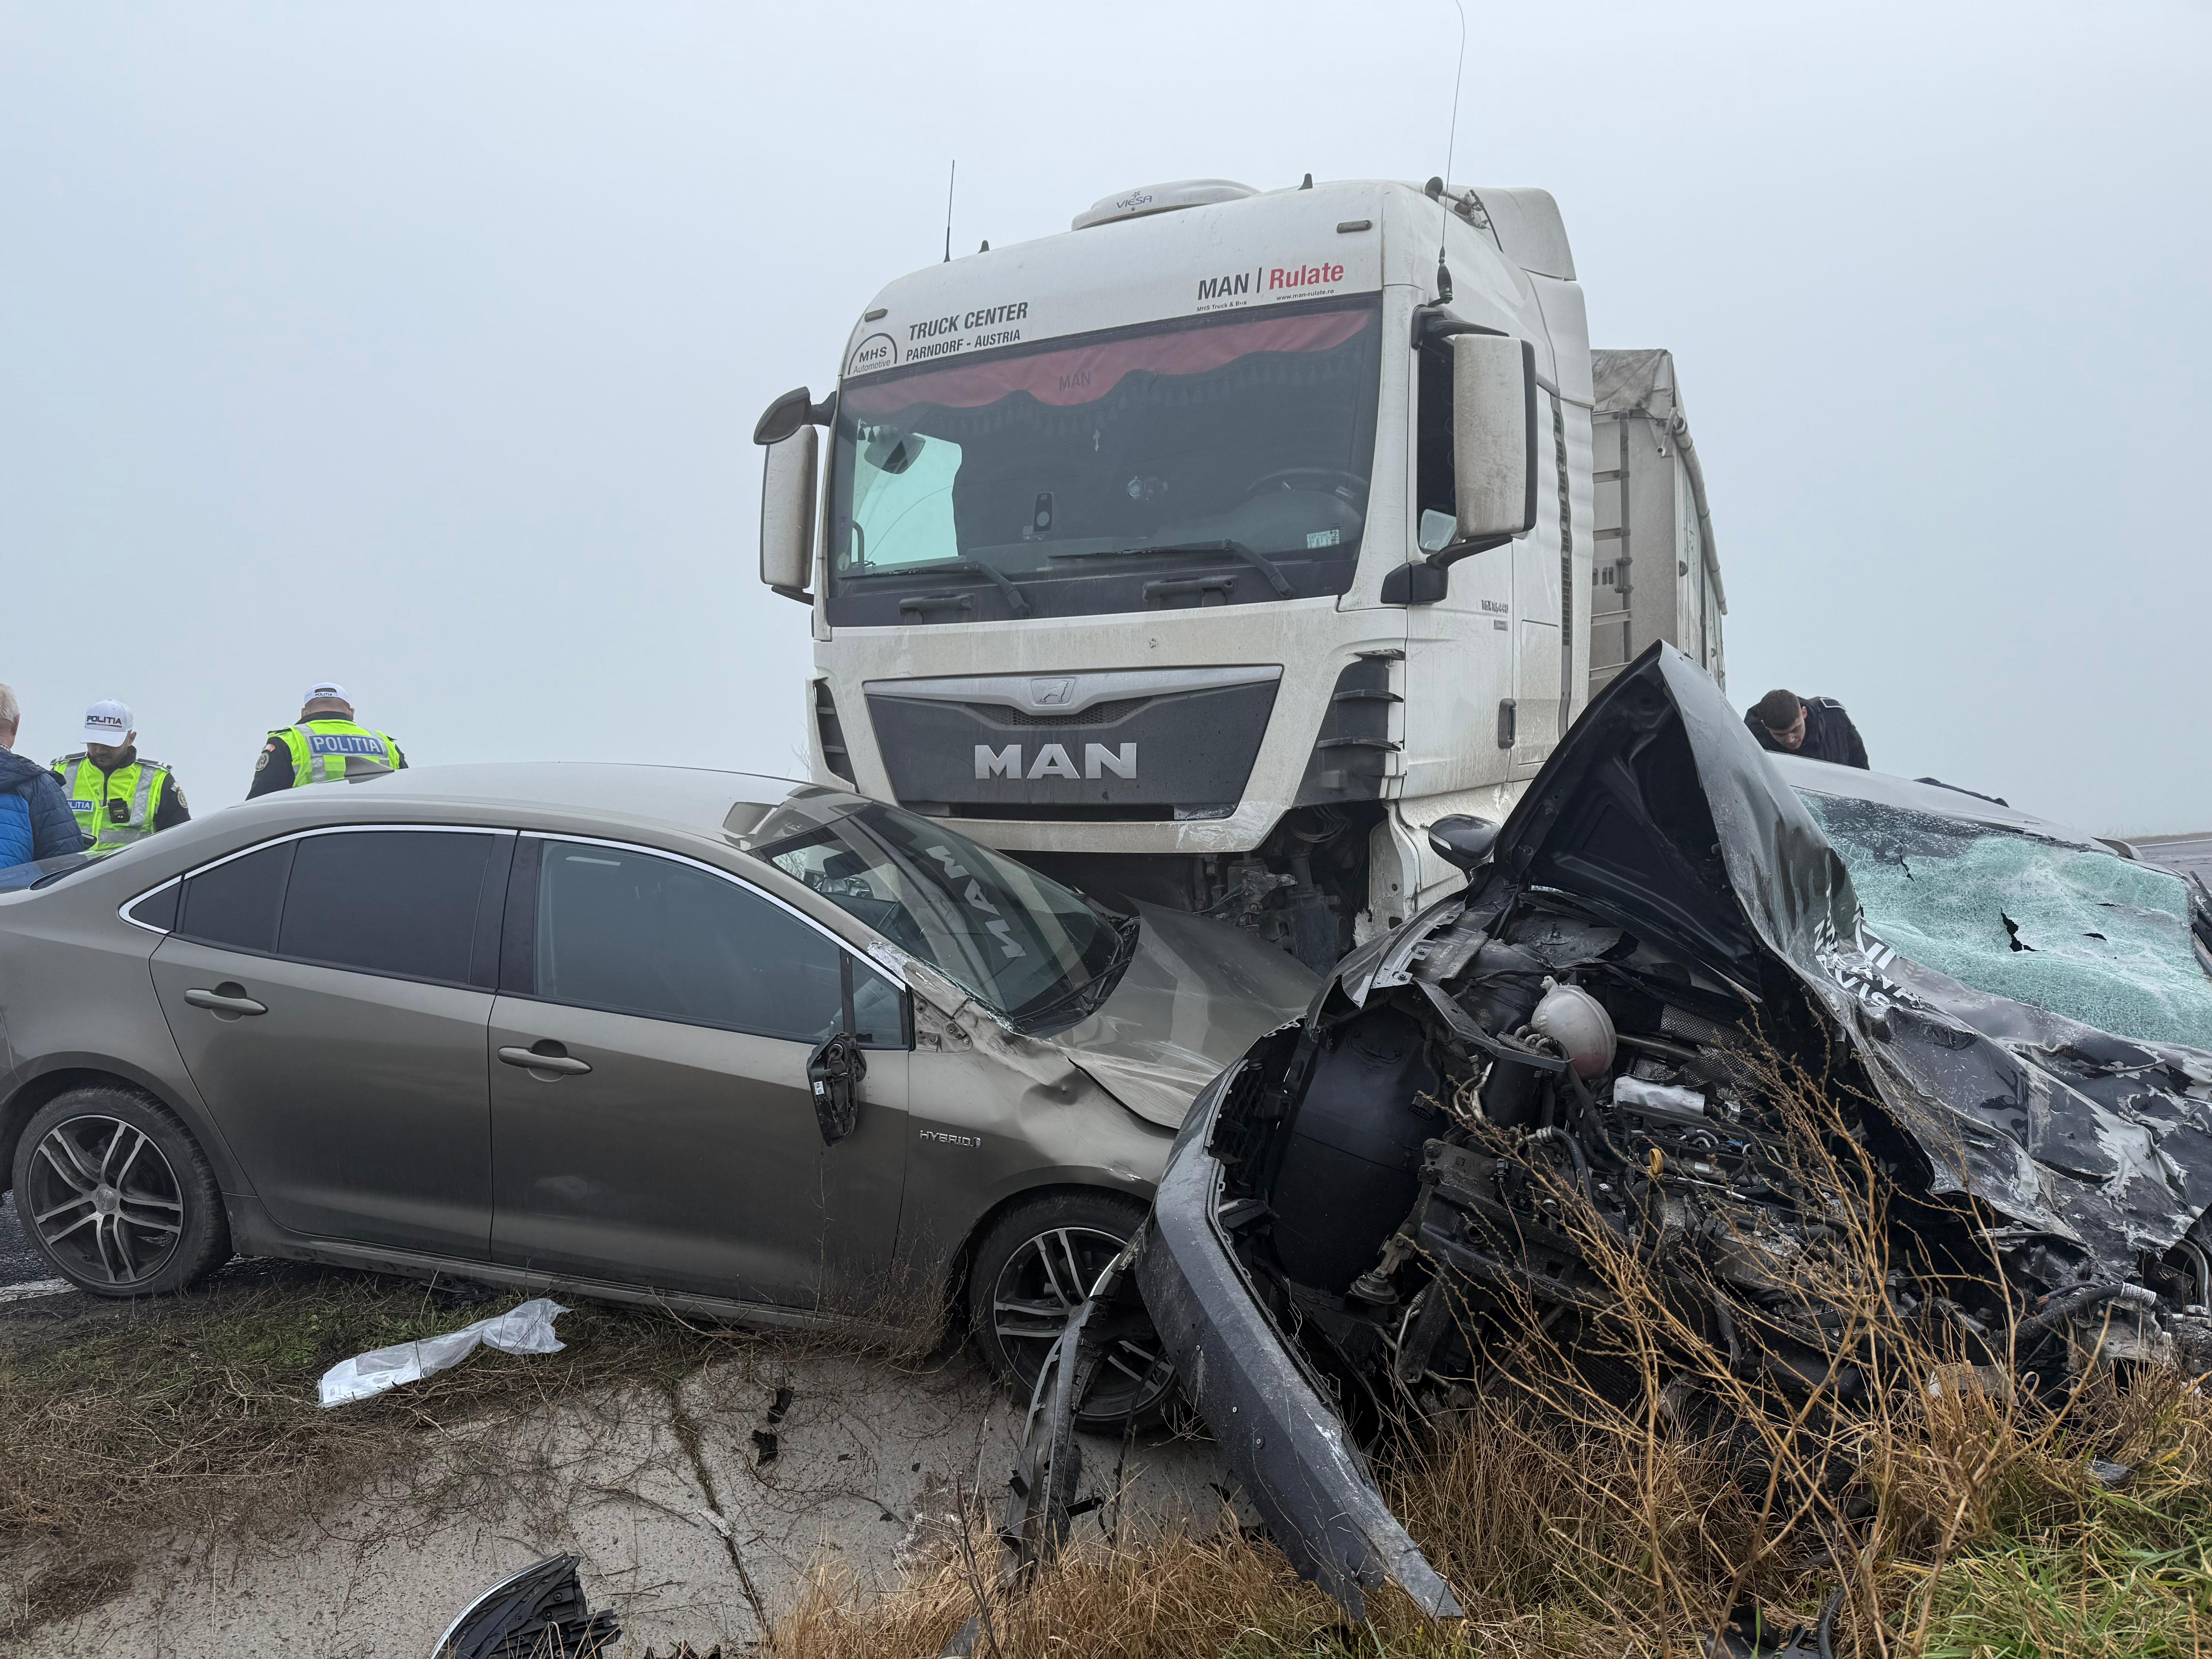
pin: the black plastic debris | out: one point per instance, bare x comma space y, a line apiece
1749, 1635
784, 1397
540, 1613
765, 1448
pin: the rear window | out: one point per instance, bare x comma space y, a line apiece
399, 902
235, 905
159, 908
46, 873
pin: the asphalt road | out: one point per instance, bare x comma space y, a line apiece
2190, 854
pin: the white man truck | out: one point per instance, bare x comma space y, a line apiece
1207, 554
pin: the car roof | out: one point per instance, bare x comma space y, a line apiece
693, 797
1942, 800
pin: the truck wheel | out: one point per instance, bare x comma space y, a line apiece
1032, 1270
116, 1195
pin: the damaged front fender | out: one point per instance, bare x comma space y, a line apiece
1286, 1444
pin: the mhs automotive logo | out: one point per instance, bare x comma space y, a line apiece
1053, 761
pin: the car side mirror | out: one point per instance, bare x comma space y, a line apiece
835, 1072
1493, 437
1462, 841
786, 520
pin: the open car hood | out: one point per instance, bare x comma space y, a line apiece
1661, 811
1197, 993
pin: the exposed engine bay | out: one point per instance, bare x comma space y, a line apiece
1656, 1029
1412, 1166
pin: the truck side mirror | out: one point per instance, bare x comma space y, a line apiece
784, 417
786, 520
1462, 841
1493, 437
1493, 459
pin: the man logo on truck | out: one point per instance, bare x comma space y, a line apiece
1053, 762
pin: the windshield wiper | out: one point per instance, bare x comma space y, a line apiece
1260, 561
1017, 601
1093, 992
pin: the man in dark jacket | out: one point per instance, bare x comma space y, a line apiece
35, 820
1817, 728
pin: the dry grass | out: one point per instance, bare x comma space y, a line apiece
1179, 1593
1958, 1513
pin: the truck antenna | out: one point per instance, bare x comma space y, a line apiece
949, 180
1451, 148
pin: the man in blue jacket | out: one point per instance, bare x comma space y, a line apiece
35, 820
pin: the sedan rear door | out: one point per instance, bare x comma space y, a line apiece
330, 995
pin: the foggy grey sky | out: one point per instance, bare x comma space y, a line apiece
420, 346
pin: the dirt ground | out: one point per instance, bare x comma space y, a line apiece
697, 1511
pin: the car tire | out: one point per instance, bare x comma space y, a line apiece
1031, 1272
118, 1197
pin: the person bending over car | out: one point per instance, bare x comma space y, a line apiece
1818, 729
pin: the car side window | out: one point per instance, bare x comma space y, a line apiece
402, 902
633, 933
235, 905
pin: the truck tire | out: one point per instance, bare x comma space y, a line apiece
1033, 1269
115, 1194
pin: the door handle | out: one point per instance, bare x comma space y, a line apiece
225, 999
531, 1060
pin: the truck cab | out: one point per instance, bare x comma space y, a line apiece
1207, 552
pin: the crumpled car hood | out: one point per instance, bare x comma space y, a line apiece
1197, 993
1660, 810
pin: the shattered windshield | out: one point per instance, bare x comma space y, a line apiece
2086, 935
1205, 462
1030, 950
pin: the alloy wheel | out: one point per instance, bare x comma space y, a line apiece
104, 1200
1044, 1282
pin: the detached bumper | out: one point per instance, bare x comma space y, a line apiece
1311, 1483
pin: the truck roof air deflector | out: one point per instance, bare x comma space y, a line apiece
1161, 198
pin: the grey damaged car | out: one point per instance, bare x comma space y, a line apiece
1664, 886
757, 1048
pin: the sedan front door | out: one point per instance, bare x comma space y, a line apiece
653, 1122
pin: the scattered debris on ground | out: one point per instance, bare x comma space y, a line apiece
167, 1483
526, 1328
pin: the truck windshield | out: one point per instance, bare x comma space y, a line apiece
1208, 461
1040, 954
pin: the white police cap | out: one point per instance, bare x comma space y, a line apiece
109, 722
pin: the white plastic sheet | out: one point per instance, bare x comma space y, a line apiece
526, 1328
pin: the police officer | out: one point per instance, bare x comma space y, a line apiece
1818, 729
324, 746
119, 796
